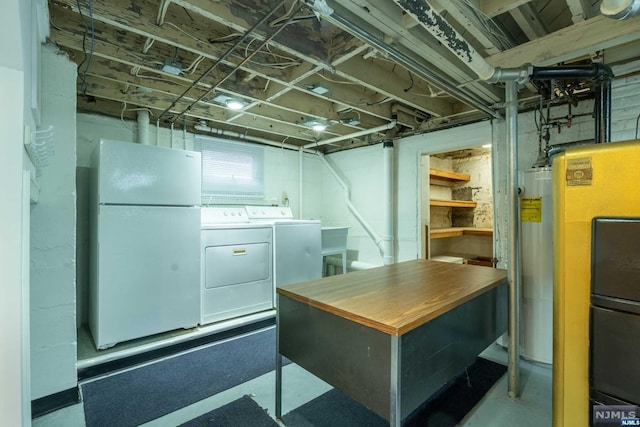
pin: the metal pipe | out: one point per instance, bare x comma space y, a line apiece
412, 65
387, 197
224, 57
204, 128
358, 134
605, 90
597, 116
591, 71
513, 272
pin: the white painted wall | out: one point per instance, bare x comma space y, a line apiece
362, 171
361, 168
281, 176
12, 242
53, 241
15, 393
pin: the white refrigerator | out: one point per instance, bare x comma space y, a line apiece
145, 241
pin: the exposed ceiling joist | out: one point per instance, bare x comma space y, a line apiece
527, 18
366, 65
583, 38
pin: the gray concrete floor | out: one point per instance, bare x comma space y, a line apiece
532, 409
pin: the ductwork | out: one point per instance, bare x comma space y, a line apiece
620, 9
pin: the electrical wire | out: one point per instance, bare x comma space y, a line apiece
278, 21
411, 85
342, 82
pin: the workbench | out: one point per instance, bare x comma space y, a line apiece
389, 337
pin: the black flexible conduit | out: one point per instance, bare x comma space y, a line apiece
225, 56
601, 75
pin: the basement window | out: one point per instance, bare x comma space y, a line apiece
230, 169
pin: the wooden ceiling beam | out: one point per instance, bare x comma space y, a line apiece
157, 101
580, 10
386, 20
469, 23
572, 42
116, 50
312, 51
493, 8
529, 21
119, 74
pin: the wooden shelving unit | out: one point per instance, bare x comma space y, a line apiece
452, 203
448, 176
440, 233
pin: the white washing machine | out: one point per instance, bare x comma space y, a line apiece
297, 244
237, 265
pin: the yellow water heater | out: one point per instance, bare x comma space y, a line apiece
598, 180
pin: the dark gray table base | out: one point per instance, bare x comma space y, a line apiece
390, 375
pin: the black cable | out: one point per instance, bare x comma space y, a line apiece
411, 85
84, 38
83, 84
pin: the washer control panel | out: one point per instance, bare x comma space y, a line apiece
269, 212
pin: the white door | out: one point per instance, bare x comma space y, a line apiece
147, 272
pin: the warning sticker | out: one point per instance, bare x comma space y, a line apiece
531, 209
579, 171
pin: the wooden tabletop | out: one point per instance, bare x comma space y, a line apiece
397, 298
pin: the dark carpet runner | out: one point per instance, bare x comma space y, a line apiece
445, 409
141, 395
241, 412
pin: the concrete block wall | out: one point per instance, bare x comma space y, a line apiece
625, 107
53, 236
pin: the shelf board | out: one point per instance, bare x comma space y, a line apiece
440, 233
453, 203
448, 176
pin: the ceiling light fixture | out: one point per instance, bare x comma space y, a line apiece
316, 124
230, 102
234, 104
320, 90
172, 67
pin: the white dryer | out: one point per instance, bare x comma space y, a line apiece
237, 265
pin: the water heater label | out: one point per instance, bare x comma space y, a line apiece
579, 171
531, 209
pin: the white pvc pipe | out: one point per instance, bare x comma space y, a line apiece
352, 135
347, 198
300, 176
387, 198
351, 265
157, 132
143, 127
